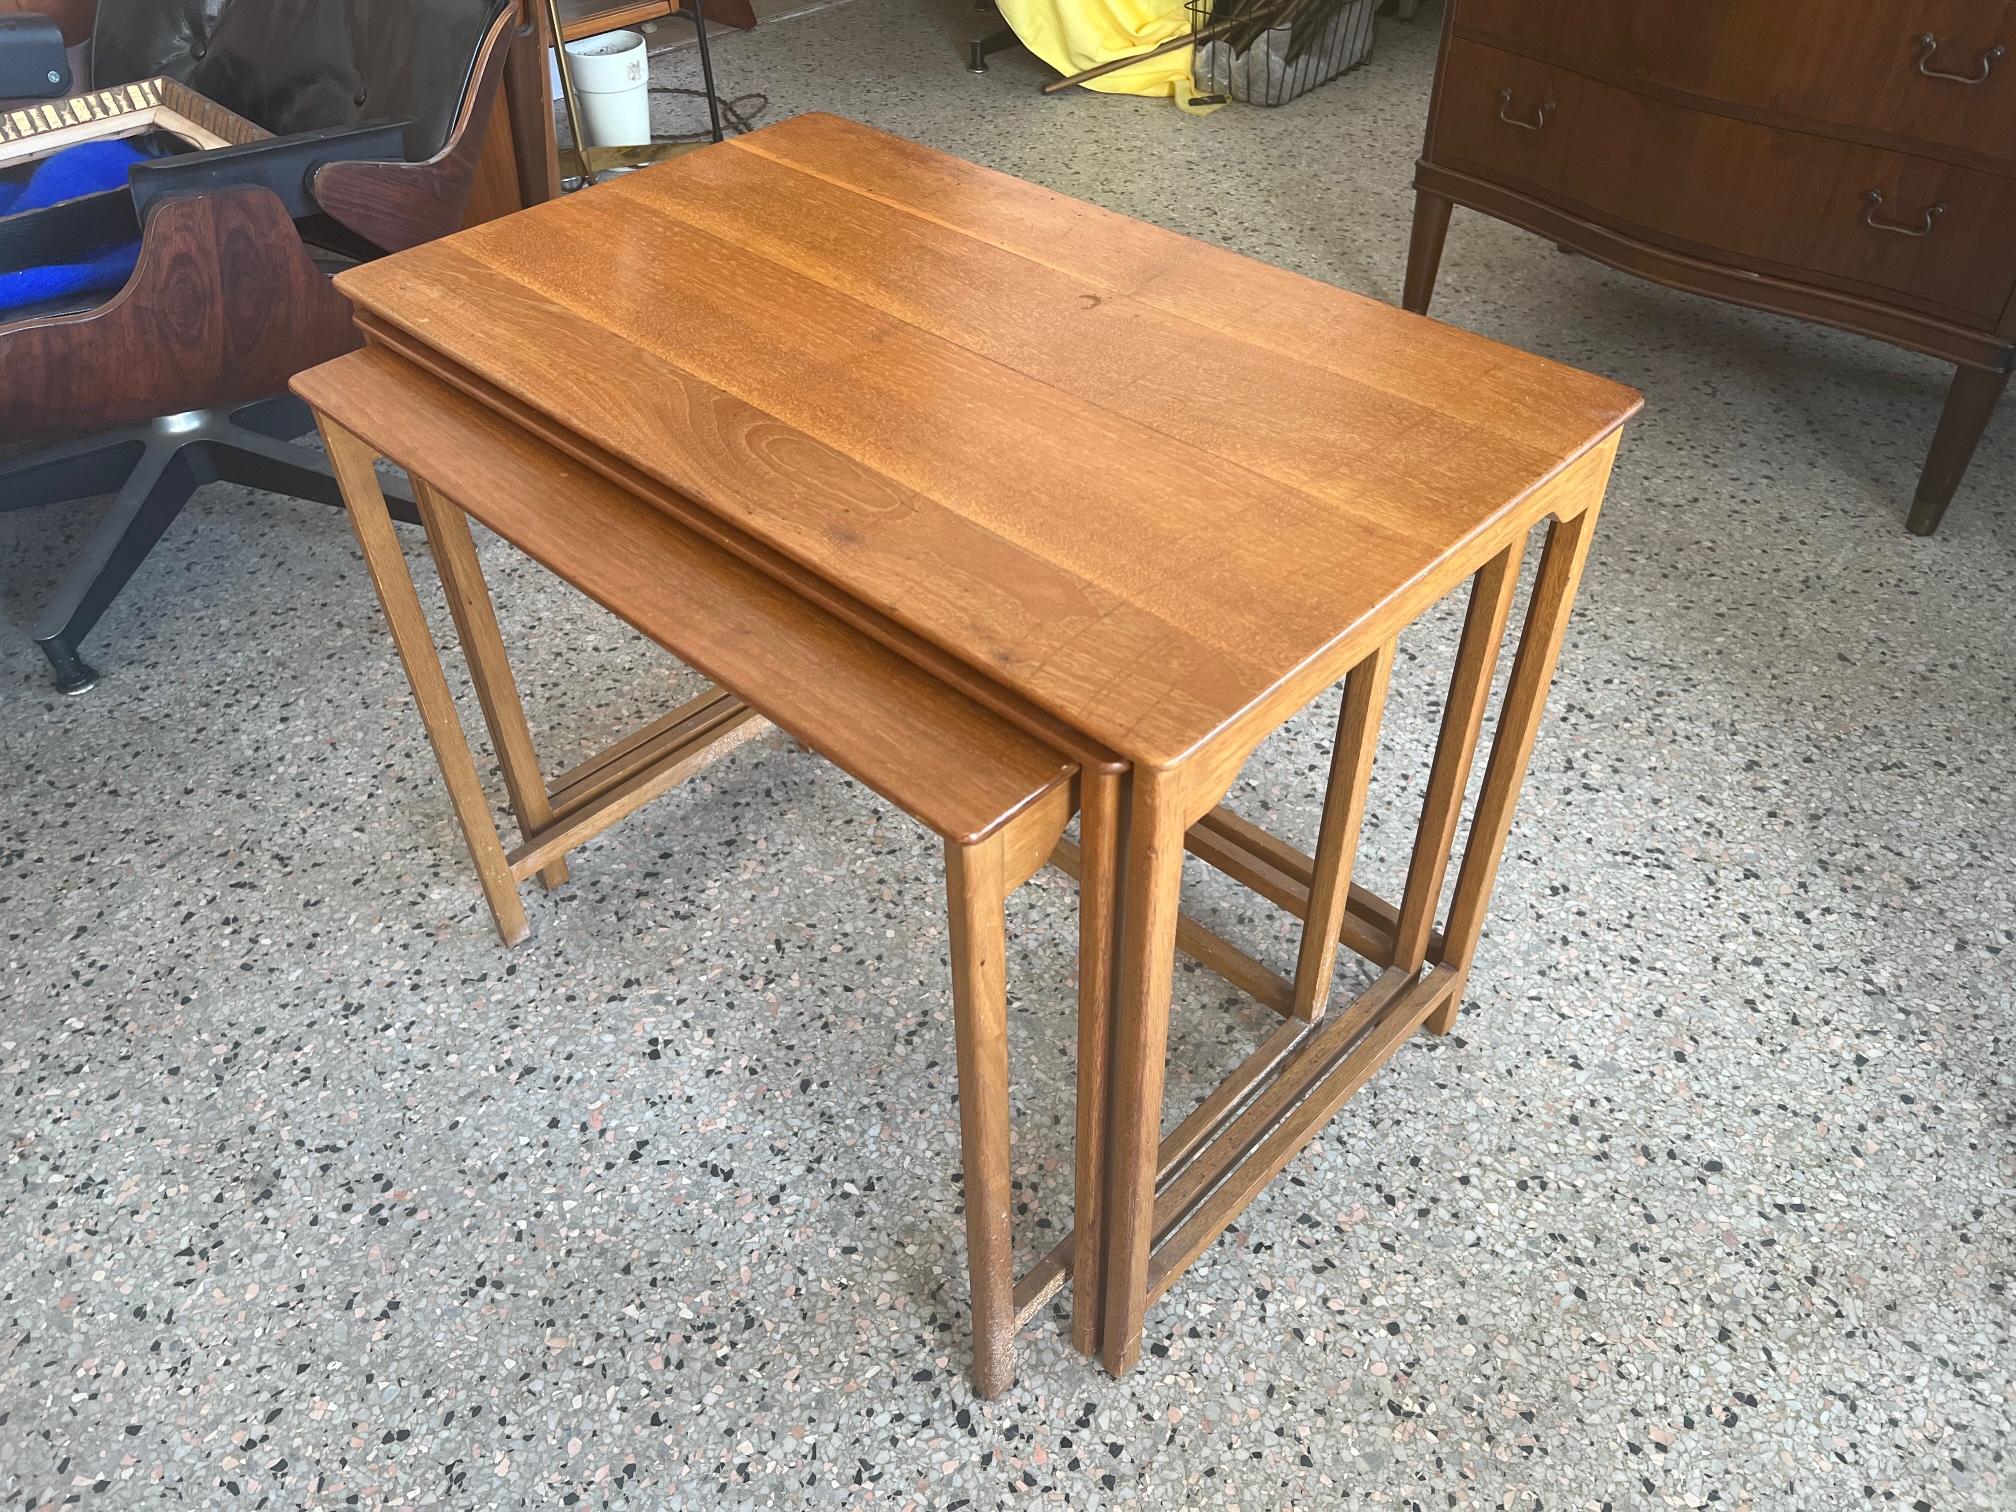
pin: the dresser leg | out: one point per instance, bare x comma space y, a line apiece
1969, 403
1424, 252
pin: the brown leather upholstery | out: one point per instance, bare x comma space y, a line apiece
138, 39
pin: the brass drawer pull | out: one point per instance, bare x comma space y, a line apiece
1874, 199
1539, 116
1928, 44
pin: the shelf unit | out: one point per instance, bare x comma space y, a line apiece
588, 18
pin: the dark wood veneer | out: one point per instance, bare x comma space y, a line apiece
104, 367
1849, 65
399, 205
1730, 147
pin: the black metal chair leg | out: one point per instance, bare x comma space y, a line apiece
73, 674
993, 42
280, 467
284, 418
979, 47
154, 473
81, 471
145, 507
256, 461
699, 10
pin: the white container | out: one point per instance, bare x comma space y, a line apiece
612, 75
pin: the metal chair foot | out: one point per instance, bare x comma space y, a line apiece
993, 42
155, 468
74, 675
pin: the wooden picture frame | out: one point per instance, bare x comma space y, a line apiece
159, 104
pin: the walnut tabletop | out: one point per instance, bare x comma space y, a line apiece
1137, 480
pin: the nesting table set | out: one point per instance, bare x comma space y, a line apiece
1015, 510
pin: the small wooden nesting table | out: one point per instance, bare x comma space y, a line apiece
1140, 497
999, 798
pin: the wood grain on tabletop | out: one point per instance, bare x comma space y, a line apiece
1137, 479
960, 770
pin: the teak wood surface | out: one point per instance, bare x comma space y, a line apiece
1009, 420
1143, 497
963, 772
589, 18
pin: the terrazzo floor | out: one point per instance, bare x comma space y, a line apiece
315, 1196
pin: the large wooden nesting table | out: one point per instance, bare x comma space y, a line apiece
1140, 498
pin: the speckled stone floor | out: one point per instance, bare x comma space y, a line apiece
314, 1196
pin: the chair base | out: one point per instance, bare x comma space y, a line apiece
978, 48
998, 40
151, 470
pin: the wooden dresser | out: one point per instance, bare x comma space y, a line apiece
1846, 161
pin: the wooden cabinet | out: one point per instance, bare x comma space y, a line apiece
1836, 160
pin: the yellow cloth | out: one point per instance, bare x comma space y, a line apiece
1071, 35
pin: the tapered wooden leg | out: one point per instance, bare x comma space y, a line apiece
1151, 884
1969, 402
976, 900
1099, 851
1455, 751
351, 460
1424, 250
1512, 747
1337, 839
489, 665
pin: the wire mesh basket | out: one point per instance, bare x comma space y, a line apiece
1277, 64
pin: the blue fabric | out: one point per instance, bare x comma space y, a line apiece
86, 169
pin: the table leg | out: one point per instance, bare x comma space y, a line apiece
1098, 841
1540, 638
475, 615
1151, 884
1455, 752
976, 898
351, 460
1337, 839
1316, 1070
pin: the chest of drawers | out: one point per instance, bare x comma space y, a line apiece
1841, 161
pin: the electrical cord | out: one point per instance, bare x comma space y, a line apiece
738, 115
